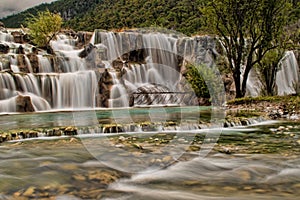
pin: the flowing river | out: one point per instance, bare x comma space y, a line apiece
149, 161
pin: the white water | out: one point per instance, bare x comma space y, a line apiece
160, 53
212, 178
44, 64
74, 88
6, 37
287, 78
71, 83
118, 94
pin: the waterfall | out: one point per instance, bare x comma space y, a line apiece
8, 105
158, 59
62, 82
162, 58
118, 94
78, 90
63, 43
254, 84
287, 77
145, 69
108, 41
44, 64
6, 37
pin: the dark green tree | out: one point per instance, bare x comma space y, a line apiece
247, 30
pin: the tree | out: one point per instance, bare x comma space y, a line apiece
247, 30
43, 27
268, 68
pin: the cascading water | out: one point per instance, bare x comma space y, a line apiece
6, 37
157, 61
61, 82
44, 64
145, 69
119, 97
287, 77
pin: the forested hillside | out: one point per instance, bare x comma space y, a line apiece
69, 9
180, 15
183, 15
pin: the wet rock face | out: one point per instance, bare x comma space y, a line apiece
22, 63
24, 104
34, 60
92, 57
205, 51
4, 48
87, 50
20, 37
229, 86
105, 83
83, 38
20, 50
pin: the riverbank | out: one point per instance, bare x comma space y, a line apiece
272, 107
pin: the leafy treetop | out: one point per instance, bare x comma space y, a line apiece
43, 27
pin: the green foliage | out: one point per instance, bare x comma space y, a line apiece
196, 80
204, 81
247, 30
286, 100
184, 15
43, 27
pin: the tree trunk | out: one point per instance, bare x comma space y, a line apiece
270, 78
245, 78
237, 81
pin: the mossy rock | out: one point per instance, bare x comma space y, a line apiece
70, 131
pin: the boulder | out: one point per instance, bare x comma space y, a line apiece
20, 50
87, 50
24, 104
49, 50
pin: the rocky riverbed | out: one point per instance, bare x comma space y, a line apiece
276, 107
67, 168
